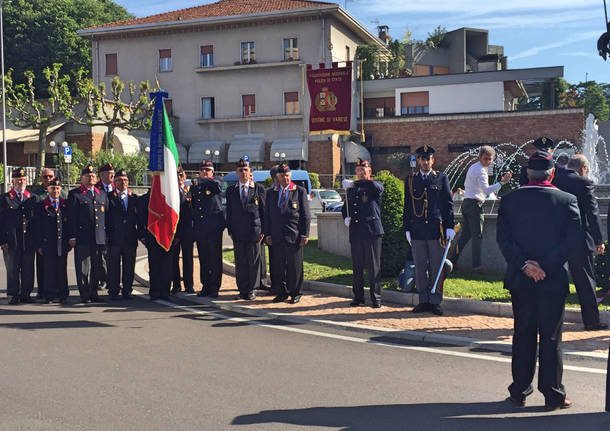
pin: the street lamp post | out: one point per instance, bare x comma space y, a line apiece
280, 156
64, 144
215, 154
4, 158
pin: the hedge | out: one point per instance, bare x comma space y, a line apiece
314, 179
394, 245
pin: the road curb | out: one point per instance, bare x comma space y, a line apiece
419, 336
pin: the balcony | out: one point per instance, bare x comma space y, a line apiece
250, 118
247, 66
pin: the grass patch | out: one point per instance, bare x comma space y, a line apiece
329, 268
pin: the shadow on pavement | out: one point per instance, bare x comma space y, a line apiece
429, 417
32, 326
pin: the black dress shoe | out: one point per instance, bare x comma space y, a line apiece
376, 305
174, 291
48, 301
113, 297
97, 299
251, 296
14, 300
202, 293
39, 296
63, 301
436, 309
597, 327
189, 290
84, 301
516, 402
357, 303
421, 307
213, 295
279, 298
127, 296
27, 300
295, 299
238, 298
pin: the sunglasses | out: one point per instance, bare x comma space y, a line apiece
48, 176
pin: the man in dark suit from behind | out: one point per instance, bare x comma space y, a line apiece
575, 181
122, 232
537, 229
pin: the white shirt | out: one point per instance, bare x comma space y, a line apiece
476, 185
107, 187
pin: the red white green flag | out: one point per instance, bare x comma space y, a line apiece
164, 203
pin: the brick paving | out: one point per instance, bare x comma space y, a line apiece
399, 317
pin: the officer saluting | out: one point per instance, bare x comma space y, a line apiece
365, 231
245, 216
428, 223
287, 222
122, 233
50, 224
545, 144
87, 207
208, 224
16, 239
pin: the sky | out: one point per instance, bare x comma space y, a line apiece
534, 33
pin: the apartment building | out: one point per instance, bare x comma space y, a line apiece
235, 73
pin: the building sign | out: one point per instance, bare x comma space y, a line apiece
331, 102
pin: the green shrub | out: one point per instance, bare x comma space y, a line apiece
394, 245
315, 180
134, 164
602, 269
268, 182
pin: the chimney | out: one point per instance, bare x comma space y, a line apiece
384, 33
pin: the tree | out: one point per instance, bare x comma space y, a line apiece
592, 98
134, 114
370, 55
436, 38
42, 32
26, 111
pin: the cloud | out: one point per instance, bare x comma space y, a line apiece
538, 49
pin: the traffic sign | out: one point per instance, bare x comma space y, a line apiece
413, 160
68, 154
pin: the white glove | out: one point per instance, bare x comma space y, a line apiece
450, 234
408, 235
346, 184
347, 221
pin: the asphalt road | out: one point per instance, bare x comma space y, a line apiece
142, 365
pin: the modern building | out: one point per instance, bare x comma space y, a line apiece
235, 73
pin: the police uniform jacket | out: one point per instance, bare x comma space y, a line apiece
364, 201
246, 223
50, 227
16, 220
428, 203
185, 223
87, 216
294, 223
542, 224
206, 201
121, 223
582, 187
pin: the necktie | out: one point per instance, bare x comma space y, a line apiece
19, 196
283, 200
125, 201
55, 204
244, 195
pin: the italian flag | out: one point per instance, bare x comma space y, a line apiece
164, 203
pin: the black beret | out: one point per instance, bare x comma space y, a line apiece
425, 152
106, 168
283, 168
87, 170
541, 161
18, 173
207, 164
120, 173
273, 171
543, 143
55, 182
363, 163
244, 162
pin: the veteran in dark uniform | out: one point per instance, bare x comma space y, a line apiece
287, 221
245, 222
87, 207
159, 261
184, 232
16, 238
106, 185
546, 144
50, 225
428, 224
122, 234
46, 176
208, 225
536, 248
362, 215
274, 288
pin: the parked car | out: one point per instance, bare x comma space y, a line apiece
334, 207
320, 198
299, 177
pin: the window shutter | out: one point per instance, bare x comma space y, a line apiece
207, 49
292, 96
165, 53
249, 100
111, 64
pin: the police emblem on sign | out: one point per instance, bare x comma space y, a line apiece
326, 100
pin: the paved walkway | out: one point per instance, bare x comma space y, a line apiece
399, 318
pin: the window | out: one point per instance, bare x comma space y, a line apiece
207, 108
247, 53
347, 54
165, 60
169, 107
415, 103
207, 56
111, 64
291, 103
291, 51
248, 105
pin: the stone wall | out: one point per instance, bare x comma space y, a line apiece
440, 131
324, 159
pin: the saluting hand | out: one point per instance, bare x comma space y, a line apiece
600, 249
